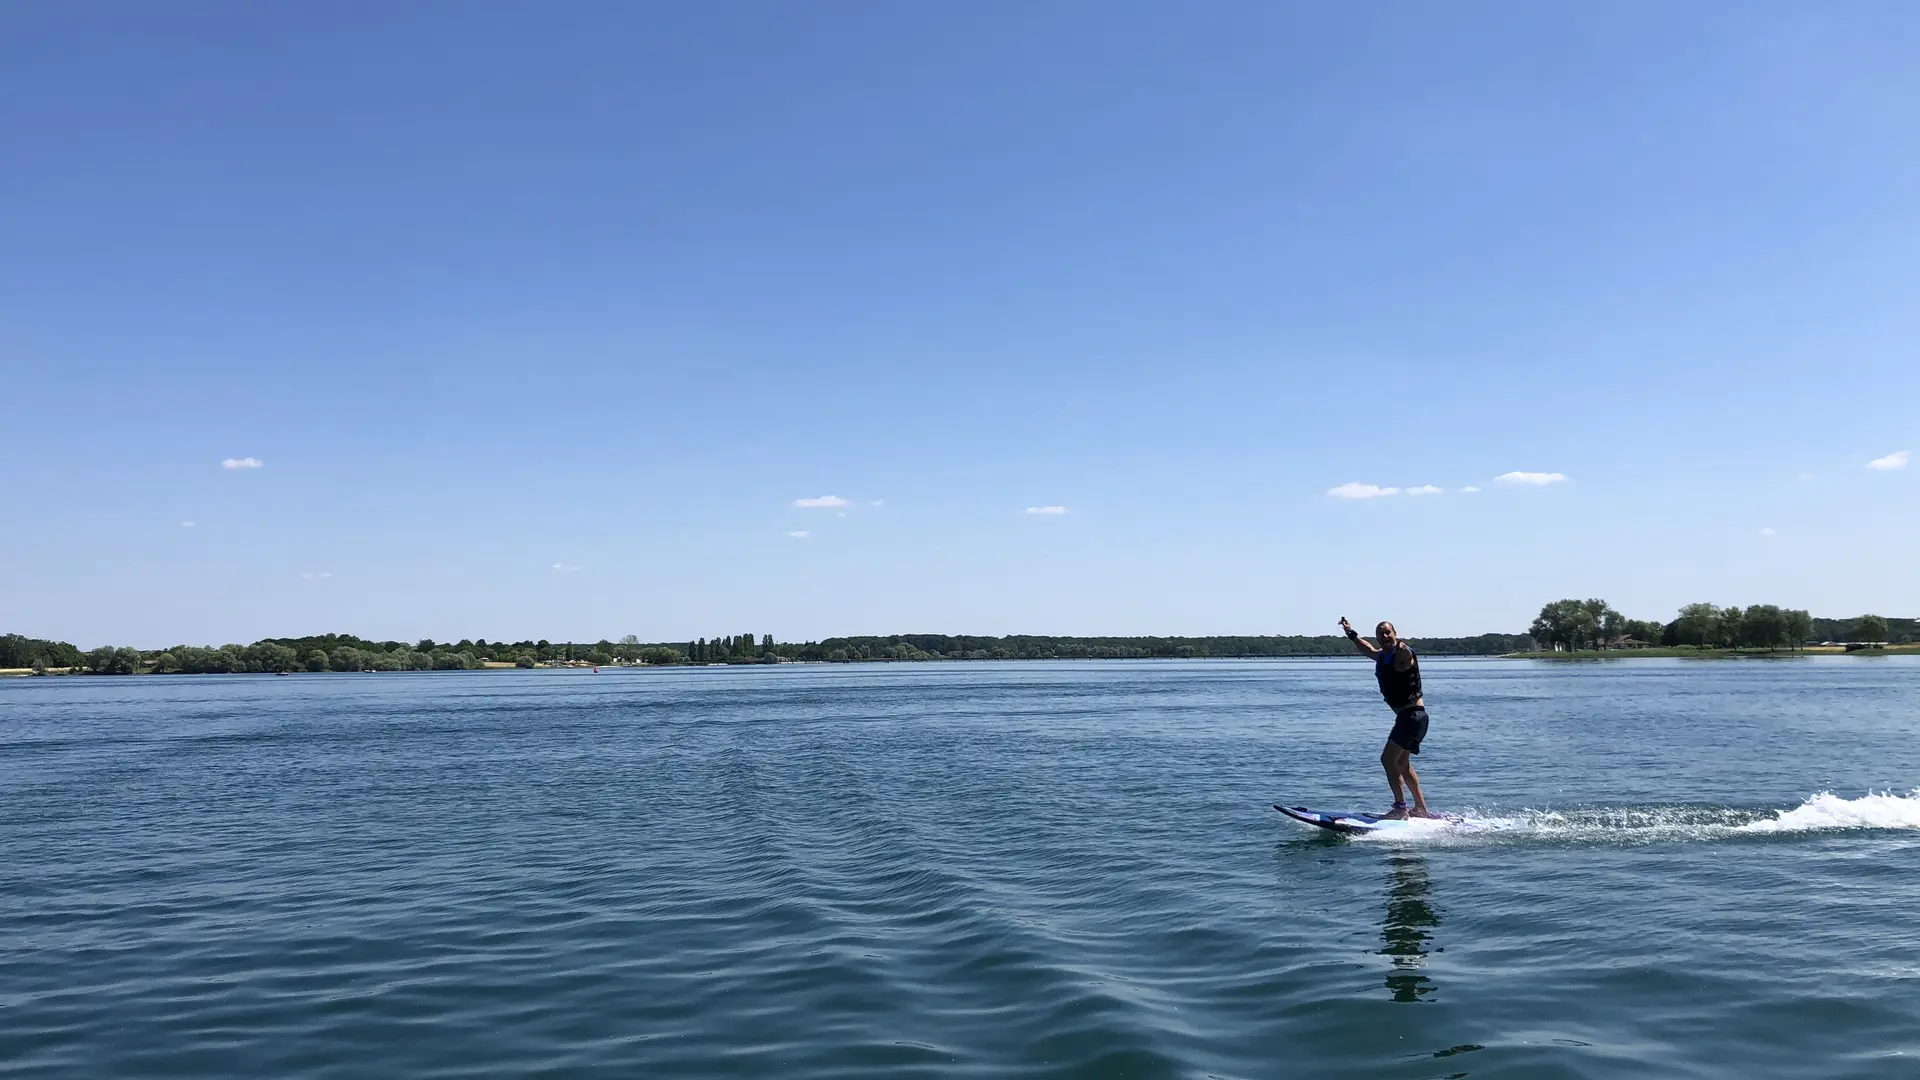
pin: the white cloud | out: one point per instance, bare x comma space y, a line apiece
186, 524
564, 568
242, 463
311, 577
1768, 531
1361, 491
1536, 479
1895, 460
823, 501
800, 534
1052, 511
1469, 490
879, 502
1424, 489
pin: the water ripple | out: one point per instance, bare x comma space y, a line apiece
1050, 870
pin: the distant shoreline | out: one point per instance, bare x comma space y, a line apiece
1657, 653
1689, 652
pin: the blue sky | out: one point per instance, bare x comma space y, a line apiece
541, 319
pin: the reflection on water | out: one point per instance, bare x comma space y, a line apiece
1408, 926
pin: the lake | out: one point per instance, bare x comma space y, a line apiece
1678, 869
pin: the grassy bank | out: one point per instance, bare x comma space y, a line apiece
1692, 653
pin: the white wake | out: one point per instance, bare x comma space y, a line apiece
1824, 812
1829, 811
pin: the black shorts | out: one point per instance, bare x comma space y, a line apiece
1408, 729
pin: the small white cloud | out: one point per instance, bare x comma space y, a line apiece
312, 577
879, 502
1051, 511
1469, 490
1424, 489
822, 502
186, 524
799, 534
1768, 531
1535, 479
1361, 491
563, 568
242, 463
1895, 460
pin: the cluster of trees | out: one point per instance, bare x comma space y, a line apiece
1594, 624
741, 649
1758, 626
1587, 624
324, 652
17, 651
1867, 628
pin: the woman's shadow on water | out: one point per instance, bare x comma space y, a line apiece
1407, 930
1408, 923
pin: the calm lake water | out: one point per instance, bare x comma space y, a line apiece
978, 870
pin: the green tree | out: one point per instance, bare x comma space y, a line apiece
1763, 626
1573, 624
1600, 622
316, 661
525, 660
1698, 624
1799, 627
1730, 627
269, 656
1555, 625
39, 666
346, 659
1647, 630
107, 660
1870, 628
166, 663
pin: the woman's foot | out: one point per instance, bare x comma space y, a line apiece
1398, 813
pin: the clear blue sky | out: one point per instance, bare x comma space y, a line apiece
540, 318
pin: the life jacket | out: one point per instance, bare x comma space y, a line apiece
1400, 688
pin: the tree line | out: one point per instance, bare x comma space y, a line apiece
1046, 647
1562, 625
345, 652
1571, 625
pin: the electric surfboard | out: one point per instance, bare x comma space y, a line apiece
1355, 824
